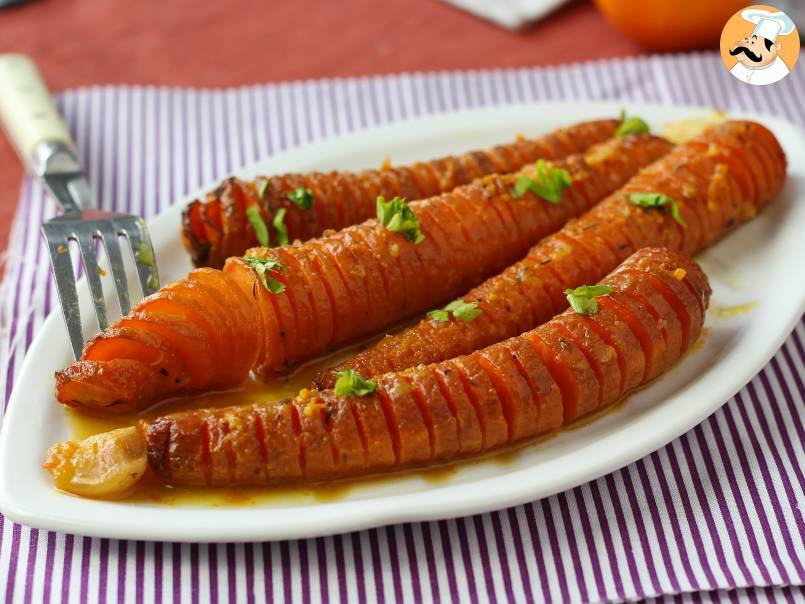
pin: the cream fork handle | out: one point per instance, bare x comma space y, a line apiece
27, 112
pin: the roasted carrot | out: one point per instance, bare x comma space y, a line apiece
337, 288
198, 333
219, 226
717, 180
372, 278
508, 393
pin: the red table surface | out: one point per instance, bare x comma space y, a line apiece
231, 42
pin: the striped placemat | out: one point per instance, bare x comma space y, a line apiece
719, 509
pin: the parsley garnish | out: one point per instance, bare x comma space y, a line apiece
279, 225
398, 217
657, 200
261, 266
548, 182
350, 383
631, 125
258, 224
582, 299
144, 254
466, 311
303, 197
261, 187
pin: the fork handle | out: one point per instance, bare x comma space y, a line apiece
27, 111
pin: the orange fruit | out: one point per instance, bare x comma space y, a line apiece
671, 24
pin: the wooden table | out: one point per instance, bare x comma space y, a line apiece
230, 42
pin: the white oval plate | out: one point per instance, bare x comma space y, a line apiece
762, 264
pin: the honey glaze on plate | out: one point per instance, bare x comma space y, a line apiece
150, 491
727, 312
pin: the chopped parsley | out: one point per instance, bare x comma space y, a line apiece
144, 254
548, 182
303, 197
261, 187
582, 299
279, 225
466, 311
398, 217
349, 383
631, 125
658, 200
261, 266
261, 228
258, 224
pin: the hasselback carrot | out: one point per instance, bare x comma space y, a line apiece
338, 288
717, 180
197, 333
372, 278
507, 393
219, 227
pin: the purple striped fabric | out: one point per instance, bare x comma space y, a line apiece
716, 515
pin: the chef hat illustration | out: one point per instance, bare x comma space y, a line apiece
768, 25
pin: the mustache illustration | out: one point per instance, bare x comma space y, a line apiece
743, 49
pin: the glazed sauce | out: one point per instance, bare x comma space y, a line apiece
725, 312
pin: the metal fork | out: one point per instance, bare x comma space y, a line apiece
44, 144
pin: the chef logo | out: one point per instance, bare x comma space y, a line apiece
760, 45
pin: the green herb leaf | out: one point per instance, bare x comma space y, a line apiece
631, 125
261, 266
303, 197
258, 224
548, 182
279, 225
658, 200
144, 254
466, 311
398, 217
440, 315
349, 383
262, 185
582, 299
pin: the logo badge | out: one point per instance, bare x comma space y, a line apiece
760, 45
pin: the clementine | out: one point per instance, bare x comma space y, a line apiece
671, 24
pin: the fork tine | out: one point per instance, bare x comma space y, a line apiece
112, 244
65, 285
86, 241
144, 257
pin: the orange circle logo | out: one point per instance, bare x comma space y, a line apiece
760, 45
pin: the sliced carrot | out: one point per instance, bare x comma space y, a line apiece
382, 449
319, 459
484, 397
408, 428
600, 355
571, 370
283, 446
345, 434
544, 389
512, 389
441, 414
